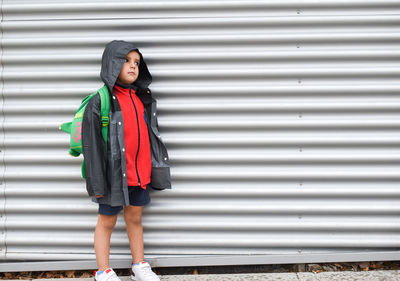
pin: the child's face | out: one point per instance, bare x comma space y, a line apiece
130, 69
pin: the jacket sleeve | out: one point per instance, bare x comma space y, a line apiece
93, 148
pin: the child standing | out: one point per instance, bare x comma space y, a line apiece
119, 174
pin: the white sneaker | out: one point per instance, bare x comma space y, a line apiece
143, 272
107, 275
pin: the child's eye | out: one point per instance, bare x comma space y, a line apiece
126, 60
137, 63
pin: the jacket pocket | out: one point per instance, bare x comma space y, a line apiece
160, 178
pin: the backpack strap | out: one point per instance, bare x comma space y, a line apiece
105, 111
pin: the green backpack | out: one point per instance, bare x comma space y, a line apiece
74, 128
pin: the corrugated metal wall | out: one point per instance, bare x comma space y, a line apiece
281, 118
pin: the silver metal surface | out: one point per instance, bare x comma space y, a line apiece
281, 120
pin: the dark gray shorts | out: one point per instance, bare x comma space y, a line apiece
137, 197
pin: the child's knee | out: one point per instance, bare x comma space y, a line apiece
107, 221
133, 215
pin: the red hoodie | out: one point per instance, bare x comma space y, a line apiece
137, 144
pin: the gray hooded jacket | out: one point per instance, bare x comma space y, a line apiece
106, 172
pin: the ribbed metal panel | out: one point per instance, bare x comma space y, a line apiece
281, 120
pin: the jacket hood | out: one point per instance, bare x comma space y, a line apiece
113, 58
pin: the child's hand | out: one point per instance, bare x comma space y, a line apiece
99, 196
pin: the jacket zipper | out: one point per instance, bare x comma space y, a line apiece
137, 120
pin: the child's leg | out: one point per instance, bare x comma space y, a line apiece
102, 235
134, 229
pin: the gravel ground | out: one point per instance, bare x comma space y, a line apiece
198, 272
374, 275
